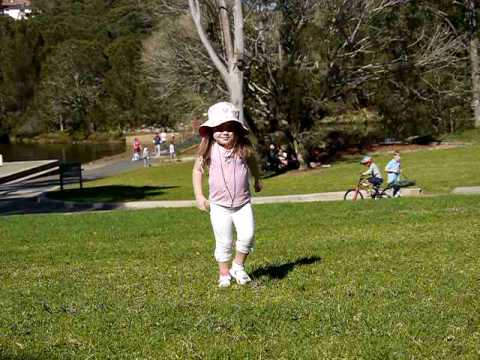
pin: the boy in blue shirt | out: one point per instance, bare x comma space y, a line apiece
393, 172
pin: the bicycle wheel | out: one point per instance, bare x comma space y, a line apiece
350, 195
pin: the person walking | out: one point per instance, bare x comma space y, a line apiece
171, 149
393, 174
137, 149
157, 141
230, 159
146, 157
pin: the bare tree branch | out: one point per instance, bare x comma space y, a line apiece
197, 19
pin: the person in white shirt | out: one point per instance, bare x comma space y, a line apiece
171, 150
146, 157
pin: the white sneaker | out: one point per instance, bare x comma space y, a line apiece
224, 281
239, 274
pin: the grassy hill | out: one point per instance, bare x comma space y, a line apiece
436, 171
369, 280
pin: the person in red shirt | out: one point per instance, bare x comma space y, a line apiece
137, 150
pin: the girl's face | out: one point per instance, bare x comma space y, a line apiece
224, 134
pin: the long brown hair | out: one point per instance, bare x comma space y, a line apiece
242, 146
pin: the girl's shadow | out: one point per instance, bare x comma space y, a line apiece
280, 271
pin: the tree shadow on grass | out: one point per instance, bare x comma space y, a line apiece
271, 174
282, 270
109, 193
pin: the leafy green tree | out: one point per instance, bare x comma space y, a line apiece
347, 56
19, 67
71, 85
20, 59
89, 68
425, 90
88, 65
122, 78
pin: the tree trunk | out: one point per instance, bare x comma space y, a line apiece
474, 60
60, 121
231, 66
235, 88
299, 151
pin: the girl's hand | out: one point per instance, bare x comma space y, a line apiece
203, 204
258, 185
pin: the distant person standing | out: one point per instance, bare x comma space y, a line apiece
137, 149
283, 157
171, 149
393, 172
163, 136
273, 162
157, 141
146, 157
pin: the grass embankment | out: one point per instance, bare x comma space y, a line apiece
369, 280
470, 136
436, 171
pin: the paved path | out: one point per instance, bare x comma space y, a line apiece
467, 190
94, 171
45, 205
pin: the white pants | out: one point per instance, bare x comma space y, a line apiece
223, 219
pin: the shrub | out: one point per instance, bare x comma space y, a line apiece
354, 128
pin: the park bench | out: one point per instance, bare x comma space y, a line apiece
70, 170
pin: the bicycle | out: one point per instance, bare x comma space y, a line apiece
365, 189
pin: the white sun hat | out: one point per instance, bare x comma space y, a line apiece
220, 113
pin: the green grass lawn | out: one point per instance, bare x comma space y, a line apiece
471, 136
436, 171
368, 280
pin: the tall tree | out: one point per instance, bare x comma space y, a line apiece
471, 15
182, 79
230, 60
71, 86
345, 52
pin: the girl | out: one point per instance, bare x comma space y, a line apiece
137, 149
229, 157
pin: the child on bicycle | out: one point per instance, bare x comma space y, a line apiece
373, 174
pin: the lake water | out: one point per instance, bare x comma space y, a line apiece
72, 152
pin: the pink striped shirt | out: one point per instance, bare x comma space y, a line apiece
228, 178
